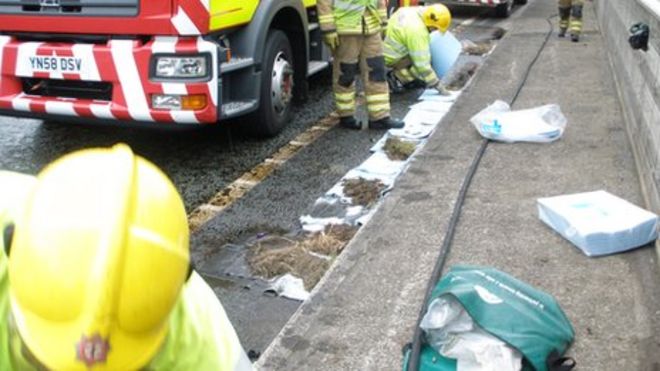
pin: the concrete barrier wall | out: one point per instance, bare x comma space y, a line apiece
638, 78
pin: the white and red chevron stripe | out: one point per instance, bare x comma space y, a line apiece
192, 17
124, 64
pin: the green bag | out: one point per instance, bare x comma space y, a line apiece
527, 319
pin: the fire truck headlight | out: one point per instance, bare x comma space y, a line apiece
181, 67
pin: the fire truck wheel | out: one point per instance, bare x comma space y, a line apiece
276, 86
504, 10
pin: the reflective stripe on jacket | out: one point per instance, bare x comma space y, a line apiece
352, 17
408, 36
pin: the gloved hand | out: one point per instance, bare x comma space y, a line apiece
331, 39
440, 87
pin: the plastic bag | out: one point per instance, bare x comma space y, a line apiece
526, 319
541, 124
451, 332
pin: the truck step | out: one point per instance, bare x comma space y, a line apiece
312, 26
316, 66
235, 108
236, 64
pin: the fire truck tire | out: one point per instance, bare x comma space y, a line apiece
276, 87
504, 10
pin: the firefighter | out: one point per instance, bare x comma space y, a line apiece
570, 18
96, 274
407, 46
352, 30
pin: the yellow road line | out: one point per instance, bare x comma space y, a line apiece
250, 179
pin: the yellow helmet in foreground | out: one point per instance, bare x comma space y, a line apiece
437, 16
98, 260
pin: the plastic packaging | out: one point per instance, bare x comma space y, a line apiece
450, 331
541, 124
445, 49
599, 223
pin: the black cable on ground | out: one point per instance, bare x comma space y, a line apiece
413, 361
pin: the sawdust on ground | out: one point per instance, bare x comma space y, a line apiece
398, 149
477, 48
308, 258
461, 77
363, 192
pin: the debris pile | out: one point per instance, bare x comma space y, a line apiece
480, 48
363, 192
458, 77
307, 258
398, 149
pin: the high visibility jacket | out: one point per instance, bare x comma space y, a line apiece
408, 36
200, 335
352, 17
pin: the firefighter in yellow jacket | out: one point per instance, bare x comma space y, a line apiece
96, 274
407, 45
570, 18
352, 30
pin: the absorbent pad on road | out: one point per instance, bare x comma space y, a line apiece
599, 223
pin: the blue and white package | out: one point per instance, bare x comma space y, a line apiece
445, 49
543, 124
599, 223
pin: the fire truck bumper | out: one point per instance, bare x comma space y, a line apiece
119, 80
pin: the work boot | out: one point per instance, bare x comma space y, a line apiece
575, 37
386, 123
562, 32
349, 122
395, 85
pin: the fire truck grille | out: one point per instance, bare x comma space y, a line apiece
68, 89
106, 8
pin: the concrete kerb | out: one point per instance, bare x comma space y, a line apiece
273, 356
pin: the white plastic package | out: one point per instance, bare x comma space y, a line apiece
289, 286
541, 124
451, 331
599, 223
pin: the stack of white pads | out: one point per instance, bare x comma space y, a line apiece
599, 223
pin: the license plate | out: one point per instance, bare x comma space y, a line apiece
55, 64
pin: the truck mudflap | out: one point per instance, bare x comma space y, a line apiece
103, 81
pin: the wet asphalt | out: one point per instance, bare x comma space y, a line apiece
202, 161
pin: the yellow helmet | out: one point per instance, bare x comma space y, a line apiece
437, 16
98, 260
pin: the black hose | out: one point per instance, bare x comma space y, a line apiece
413, 361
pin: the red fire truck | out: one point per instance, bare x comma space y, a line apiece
158, 61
